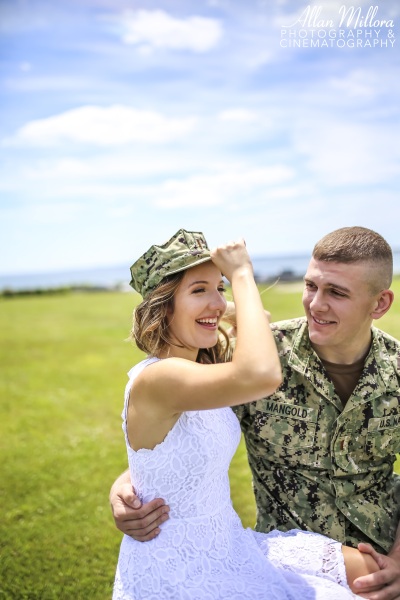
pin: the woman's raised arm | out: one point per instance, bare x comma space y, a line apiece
254, 371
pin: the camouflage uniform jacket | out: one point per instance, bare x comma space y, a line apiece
317, 466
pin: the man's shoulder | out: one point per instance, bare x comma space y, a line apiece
289, 326
290, 334
386, 338
388, 348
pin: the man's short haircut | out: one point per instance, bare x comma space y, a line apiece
358, 244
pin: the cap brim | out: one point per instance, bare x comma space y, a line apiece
194, 264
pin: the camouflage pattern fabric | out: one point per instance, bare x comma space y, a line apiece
184, 250
316, 465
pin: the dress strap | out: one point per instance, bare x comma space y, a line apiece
132, 374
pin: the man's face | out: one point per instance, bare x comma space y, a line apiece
338, 302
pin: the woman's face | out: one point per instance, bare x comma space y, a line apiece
199, 305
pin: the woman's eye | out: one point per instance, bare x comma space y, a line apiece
222, 290
198, 290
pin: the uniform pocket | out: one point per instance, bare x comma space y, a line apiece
286, 425
383, 436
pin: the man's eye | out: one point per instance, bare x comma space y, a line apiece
337, 293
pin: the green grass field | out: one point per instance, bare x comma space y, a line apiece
63, 370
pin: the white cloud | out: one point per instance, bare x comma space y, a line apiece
25, 66
46, 213
115, 167
102, 126
238, 114
157, 29
341, 152
227, 185
366, 84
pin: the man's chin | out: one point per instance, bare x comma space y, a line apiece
318, 339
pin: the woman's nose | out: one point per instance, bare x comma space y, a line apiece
218, 302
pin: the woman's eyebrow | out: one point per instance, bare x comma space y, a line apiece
197, 282
201, 281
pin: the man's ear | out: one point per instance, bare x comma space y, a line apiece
382, 304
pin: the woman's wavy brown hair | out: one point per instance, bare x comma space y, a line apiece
150, 329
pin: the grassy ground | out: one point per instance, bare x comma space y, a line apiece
63, 362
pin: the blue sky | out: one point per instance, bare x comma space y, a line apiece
123, 121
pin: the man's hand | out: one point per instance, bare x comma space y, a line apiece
131, 517
387, 579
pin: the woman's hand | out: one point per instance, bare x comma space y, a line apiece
231, 257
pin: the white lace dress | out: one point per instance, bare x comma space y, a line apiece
203, 552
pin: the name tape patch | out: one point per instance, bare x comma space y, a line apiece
389, 422
290, 410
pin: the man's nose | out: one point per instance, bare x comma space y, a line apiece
318, 301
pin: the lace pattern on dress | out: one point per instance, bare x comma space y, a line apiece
203, 552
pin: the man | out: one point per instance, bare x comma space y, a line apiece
322, 447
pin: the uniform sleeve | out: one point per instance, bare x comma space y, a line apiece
241, 411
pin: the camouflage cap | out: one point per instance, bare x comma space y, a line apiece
184, 250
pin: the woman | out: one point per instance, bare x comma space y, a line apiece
181, 435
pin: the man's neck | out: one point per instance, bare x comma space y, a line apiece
343, 356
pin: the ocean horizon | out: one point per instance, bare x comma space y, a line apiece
266, 268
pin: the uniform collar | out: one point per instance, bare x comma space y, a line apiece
380, 374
